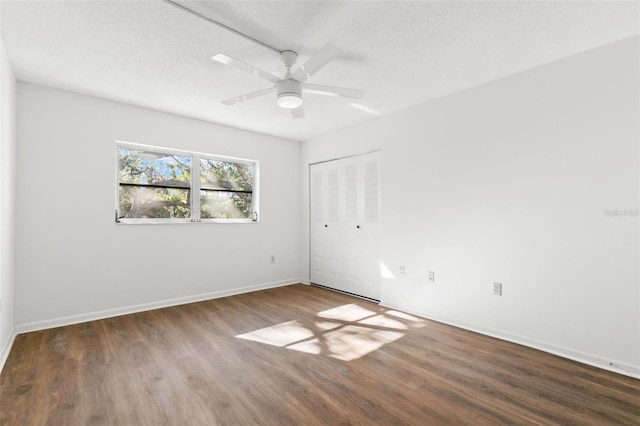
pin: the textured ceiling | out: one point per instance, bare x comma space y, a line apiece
151, 54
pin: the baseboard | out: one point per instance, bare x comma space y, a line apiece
568, 353
6, 348
109, 313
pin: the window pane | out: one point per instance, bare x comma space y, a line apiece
221, 175
225, 205
146, 167
148, 202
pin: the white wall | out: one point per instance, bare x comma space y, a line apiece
74, 263
7, 150
511, 182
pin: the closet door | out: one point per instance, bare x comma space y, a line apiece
317, 195
332, 252
344, 225
369, 227
350, 243
325, 268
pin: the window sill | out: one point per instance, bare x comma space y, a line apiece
182, 222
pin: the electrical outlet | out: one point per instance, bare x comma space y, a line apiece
402, 270
273, 259
432, 276
497, 289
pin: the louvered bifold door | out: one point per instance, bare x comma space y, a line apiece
317, 190
370, 257
345, 210
332, 229
350, 225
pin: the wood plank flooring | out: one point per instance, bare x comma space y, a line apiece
297, 355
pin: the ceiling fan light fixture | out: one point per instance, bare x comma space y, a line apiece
289, 94
289, 100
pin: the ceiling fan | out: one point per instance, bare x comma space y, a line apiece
289, 88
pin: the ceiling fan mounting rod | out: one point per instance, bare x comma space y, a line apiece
223, 26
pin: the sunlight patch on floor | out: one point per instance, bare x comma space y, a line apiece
415, 322
384, 321
346, 332
351, 312
349, 342
327, 325
282, 334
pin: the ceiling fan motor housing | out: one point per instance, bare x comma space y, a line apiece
289, 93
289, 57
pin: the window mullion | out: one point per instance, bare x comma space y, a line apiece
195, 189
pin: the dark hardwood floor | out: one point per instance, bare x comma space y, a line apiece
297, 355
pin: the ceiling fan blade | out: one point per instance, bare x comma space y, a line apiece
227, 60
297, 112
321, 89
315, 62
248, 96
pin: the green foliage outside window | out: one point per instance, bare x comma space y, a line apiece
225, 189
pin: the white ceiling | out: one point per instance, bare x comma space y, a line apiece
151, 54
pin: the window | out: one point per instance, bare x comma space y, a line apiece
157, 185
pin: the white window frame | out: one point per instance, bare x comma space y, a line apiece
194, 186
